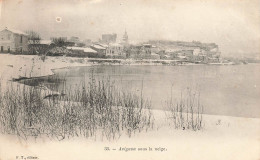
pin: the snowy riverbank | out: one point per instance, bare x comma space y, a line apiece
15, 66
223, 137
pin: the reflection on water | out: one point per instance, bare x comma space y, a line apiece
225, 90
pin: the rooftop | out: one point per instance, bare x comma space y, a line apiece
84, 49
48, 42
115, 44
98, 46
15, 31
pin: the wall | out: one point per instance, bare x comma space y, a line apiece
114, 50
6, 40
12, 40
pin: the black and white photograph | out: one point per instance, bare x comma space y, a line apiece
129, 79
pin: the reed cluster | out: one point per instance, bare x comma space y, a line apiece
95, 108
187, 113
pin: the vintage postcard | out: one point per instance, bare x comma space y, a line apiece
129, 79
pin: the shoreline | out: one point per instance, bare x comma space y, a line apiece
218, 137
41, 68
48, 67
67, 65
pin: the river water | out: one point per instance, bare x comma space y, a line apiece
232, 90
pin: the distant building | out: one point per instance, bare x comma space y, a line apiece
155, 49
155, 56
99, 48
146, 49
42, 43
83, 49
82, 52
143, 51
109, 38
87, 42
74, 39
196, 51
115, 49
46, 42
125, 38
13, 41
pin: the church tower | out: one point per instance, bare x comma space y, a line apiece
125, 38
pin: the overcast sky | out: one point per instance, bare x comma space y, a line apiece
233, 24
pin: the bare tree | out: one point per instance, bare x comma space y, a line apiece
59, 42
35, 46
34, 40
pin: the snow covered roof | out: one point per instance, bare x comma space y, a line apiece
98, 46
214, 49
46, 42
83, 49
167, 56
89, 50
182, 57
103, 45
75, 48
115, 44
16, 31
172, 50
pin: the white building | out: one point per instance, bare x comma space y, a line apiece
115, 49
85, 49
196, 51
13, 41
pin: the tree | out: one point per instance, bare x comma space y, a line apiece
34, 40
59, 42
35, 46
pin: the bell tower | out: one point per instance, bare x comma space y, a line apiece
125, 38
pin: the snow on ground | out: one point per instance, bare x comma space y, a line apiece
232, 138
15, 66
223, 137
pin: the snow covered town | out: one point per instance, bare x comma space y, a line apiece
108, 46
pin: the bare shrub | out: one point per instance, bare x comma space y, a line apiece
96, 108
187, 113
